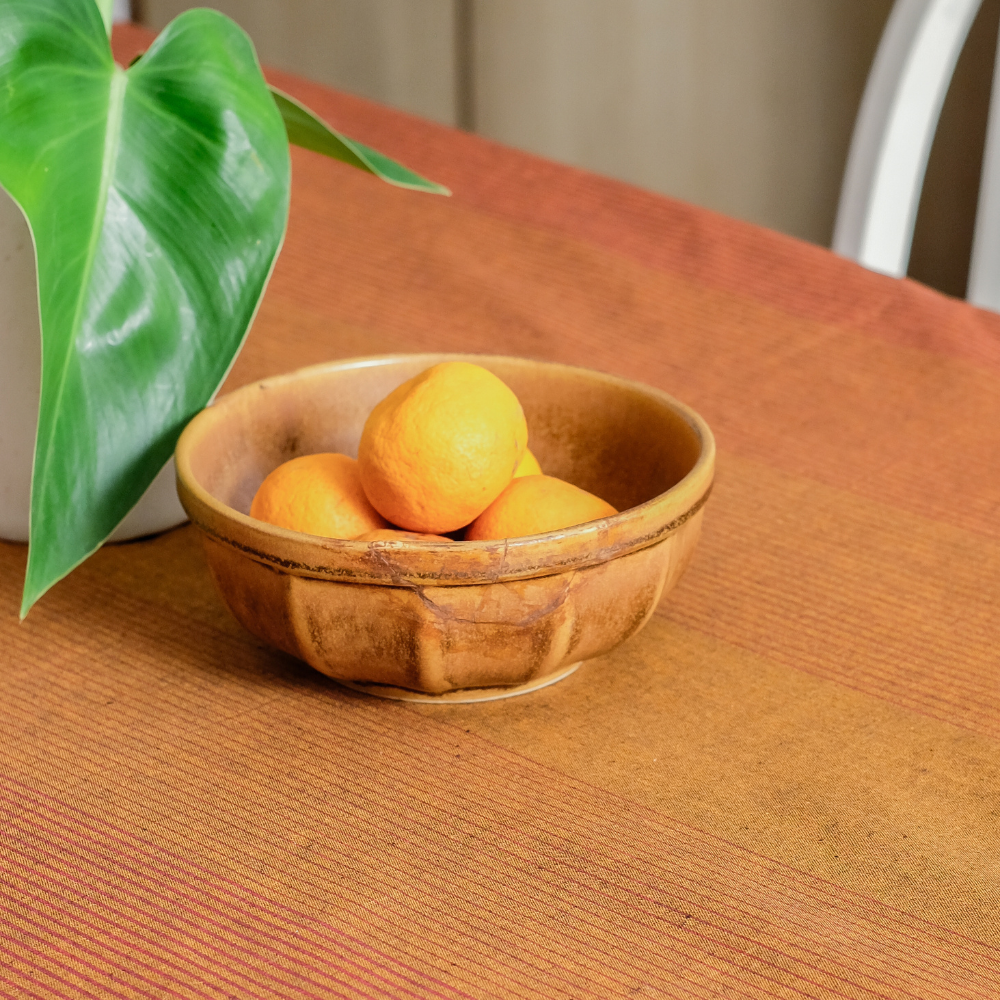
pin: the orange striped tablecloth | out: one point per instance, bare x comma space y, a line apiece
787, 785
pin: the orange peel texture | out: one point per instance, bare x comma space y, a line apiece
528, 466
531, 505
318, 494
440, 448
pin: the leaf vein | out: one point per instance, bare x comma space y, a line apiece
112, 136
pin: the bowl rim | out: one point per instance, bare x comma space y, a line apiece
413, 562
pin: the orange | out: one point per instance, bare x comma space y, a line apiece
318, 494
394, 535
533, 504
438, 450
529, 465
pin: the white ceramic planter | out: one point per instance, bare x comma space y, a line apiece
20, 376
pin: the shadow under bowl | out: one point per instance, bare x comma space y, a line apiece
439, 617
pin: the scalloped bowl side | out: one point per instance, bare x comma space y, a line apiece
438, 617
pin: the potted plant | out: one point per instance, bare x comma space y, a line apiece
157, 200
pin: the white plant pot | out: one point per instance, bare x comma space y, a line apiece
20, 378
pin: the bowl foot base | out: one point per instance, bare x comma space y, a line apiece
464, 696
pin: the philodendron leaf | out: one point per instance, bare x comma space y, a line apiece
107, 9
157, 199
311, 132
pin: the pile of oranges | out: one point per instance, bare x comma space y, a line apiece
444, 454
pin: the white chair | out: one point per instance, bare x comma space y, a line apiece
892, 141
122, 11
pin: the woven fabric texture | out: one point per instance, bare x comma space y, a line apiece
786, 786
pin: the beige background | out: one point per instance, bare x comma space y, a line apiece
744, 106
400, 52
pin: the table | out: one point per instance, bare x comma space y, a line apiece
785, 786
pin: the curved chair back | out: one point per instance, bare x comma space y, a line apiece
892, 141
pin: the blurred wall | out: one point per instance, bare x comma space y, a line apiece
401, 52
744, 106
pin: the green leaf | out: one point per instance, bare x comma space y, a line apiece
157, 199
107, 9
311, 132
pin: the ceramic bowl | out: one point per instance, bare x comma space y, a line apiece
452, 620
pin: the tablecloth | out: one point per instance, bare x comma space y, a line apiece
785, 786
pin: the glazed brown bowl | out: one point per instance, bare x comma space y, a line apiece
438, 617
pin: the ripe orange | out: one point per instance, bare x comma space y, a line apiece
394, 535
438, 450
319, 494
529, 465
533, 504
